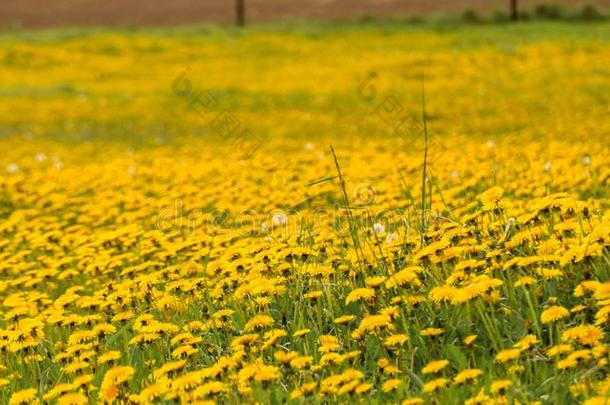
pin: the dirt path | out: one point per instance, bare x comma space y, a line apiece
44, 13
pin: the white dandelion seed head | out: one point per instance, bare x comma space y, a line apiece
548, 166
378, 228
279, 219
391, 238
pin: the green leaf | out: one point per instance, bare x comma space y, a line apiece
457, 357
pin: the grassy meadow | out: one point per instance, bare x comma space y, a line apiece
321, 213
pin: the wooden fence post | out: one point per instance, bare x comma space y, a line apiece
514, 10
240, 13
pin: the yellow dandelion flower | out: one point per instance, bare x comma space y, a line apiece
498, 387
26, 396
468, 340
113, 379
344, 319
432, 332
479, 399
553, 314
507, 355
442, 293
360, 294
258, 322
374, 282
527, 342
491, 196
285, 357
559, 349
301, 362
578, 308
301, 332
73, 399
363, 388
466, 375
588, 335
525, 281
313, 295
395, 340
391, 385
435, 366
435, 385
109, 357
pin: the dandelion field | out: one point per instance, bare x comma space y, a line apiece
176, 227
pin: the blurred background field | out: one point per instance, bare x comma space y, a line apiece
39, 13
292, 75
543, 79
